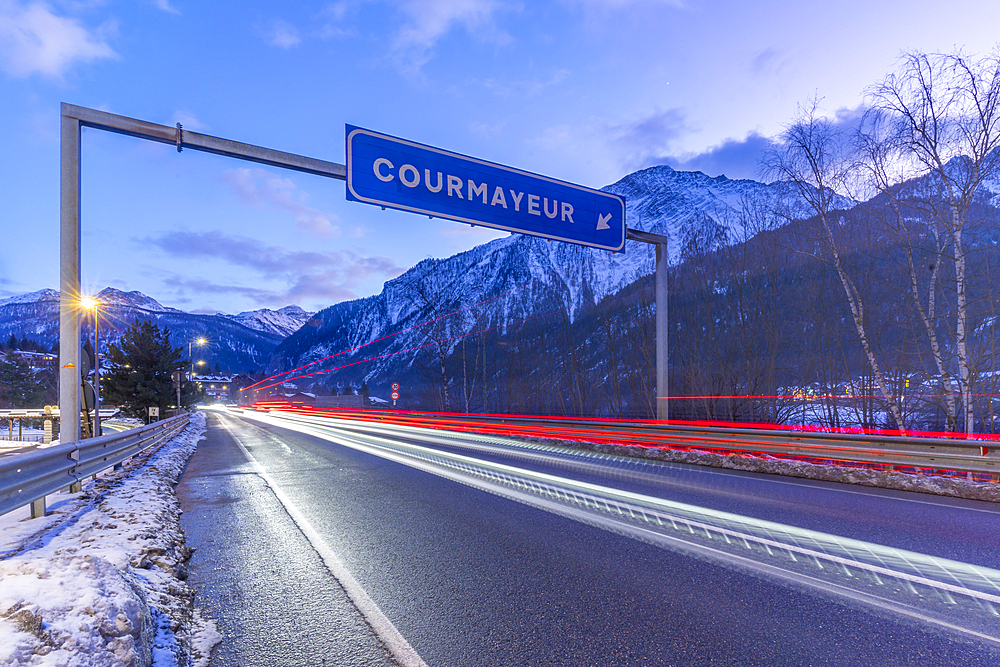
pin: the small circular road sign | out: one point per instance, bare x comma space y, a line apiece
395, 386
394, 395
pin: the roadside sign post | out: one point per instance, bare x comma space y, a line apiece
178, 380
395, 393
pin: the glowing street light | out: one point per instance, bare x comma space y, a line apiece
93, 305
200, 340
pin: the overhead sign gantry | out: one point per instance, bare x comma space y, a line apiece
385, 171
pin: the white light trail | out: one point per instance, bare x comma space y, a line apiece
879, 575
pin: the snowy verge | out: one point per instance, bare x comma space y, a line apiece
955, 487
100, 580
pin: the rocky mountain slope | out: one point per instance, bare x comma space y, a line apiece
511, 280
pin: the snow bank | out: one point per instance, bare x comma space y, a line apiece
955, 487
100, 581
77, 610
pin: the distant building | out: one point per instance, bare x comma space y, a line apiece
35, 359
216, 387
291, 397
349, 402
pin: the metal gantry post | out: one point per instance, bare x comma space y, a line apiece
662, 334
662, 330
69, 280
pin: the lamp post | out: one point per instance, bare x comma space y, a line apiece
94, 305
197, 341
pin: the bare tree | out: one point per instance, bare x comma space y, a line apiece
816, 158
937, 118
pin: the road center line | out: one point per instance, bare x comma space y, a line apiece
400, 649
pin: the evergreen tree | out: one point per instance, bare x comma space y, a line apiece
139, 368
23, 387
11, 342
365, 392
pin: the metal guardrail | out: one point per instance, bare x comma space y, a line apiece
944, 454
952, 454
27, 478
40, 413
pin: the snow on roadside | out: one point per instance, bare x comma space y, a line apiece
100, 580
955, 487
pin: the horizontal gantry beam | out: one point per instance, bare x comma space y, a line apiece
178, 136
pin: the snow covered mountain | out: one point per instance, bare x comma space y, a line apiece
512, 279
243, 342
283, 322
115, 298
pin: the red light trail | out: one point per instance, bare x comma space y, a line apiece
728, 444
354, 349
383, 356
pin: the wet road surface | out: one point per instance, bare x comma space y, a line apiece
471, 578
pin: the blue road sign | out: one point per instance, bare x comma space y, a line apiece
396, 173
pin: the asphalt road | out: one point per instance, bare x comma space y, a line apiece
468, 577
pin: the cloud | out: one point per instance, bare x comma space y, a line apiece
430, 20
188, 121
165, 6
618, 5
523, 88
741, 158
258, 187
488, 130
34, 40
553, 138
332, 18
270, 261
769, 62
641, 143
316, 276
282, 34
732, 158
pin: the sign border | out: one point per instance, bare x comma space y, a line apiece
352, 130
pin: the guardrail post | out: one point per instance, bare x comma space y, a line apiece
38, 508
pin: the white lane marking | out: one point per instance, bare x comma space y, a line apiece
949, 502
400, 649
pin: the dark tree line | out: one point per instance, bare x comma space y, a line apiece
139, 368
22, 386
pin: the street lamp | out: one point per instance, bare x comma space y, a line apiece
92, 304
201, 340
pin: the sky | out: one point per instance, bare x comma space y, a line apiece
585, 91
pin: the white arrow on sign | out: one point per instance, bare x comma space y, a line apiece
602, 221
